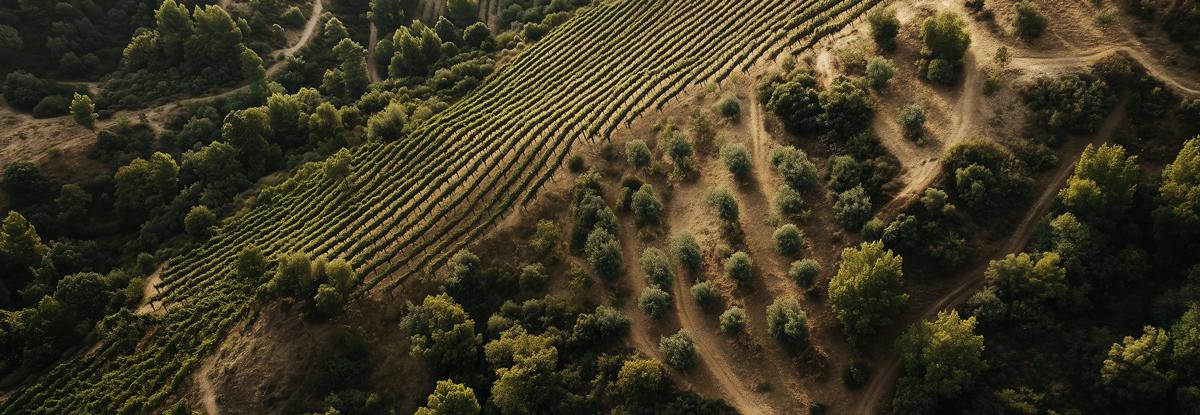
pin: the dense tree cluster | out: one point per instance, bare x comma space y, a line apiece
945, 40
1068, 104
77, 39
868, 291
42, 97
932, 230
941, 358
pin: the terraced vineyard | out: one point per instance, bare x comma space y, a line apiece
414, 202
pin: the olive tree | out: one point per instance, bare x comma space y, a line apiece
678, 350
788, 323
867, 292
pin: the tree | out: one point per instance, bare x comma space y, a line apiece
145, 184
447, 31
788, 202
737, 160
84, 111
704, 294
20, 245
1137, 370
722, 203
868, 291
739, 267
463, 12
656, 266
251, 266
526, 372
252, 69
477, 35
1103, 184
199, 222
654, 302
637, 153
1185, 343
852, 208
174, 26
733, 321
794, 166
804, 273
547, 238
1030, 22
339, 167
604, 253
912, 118
353, 59
680, 150
84, 293
946, 41
533, 277
797, 102
687, 251
442, 335
293, 276
788, 323
24, 181
449, 398
647, 209
848, 108
884, 27
389, 124
1026, 282
880, 70
678, 350
388, 14
462, 281
788, 240
641, 379
728, 107
941, 358
605, 324
247, 130
1177, 217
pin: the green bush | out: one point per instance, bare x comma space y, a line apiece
788, 202
852, 208
788, 323
941, 71
884, 27
789, 240
721, 201
678, 350
733, 321
687, 251
637, 153
739, 267
657, 268
647, 209
704, 294
794, 166
654, 302
533, 277
880, 70
1030, 22
868, 291
728, 107
912, 119
804, 273
737, 160
604, 253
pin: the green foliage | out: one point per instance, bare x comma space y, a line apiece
986, 177
687, 251
789, 241
678, 350
739, 267
705, 294
590, 213
533, 277
654, 302
389, 124
941, 359
604, 253
293, 276
733, 321
1177, 217
868, 291
526, 371
1020, 287
680, 150
25, 91
737, 160
722, 203
852, 208
728, 107
788, 323
24, 182
1137, 370
848, 108
637, 153
144, 184
804, 273
880, 70
1068, 104
884, 27
647, 209
463, 12
251, 266
912, 119
417, 49
477, 35
641, 379
441, 334
788, 202
1030, 22
796, 101
1103, 185
547, 238
199, 222
657, 267
946, 37
794, 166
605, 324
83, 110
449, 398
84, 293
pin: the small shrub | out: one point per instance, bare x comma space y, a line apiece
604, 253
647, 209
794, 166
941, 71
678, 350
704, 294
733, 321
728, 107
804, 273
658, 269
788, 323
687, 251
852, 208
654, 302
1030, 22
884, 27
788, 202
873, 229
721, 201
857, 374
637, 153
737, 160
739, 267
880, 70
788, 240
576, 164
533, 277
912, 119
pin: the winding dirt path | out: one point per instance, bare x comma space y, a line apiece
879, 390
204, 386
372, 71
1051, 61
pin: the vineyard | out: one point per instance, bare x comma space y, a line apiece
411, 204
